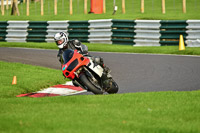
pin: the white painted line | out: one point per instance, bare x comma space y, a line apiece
63, 90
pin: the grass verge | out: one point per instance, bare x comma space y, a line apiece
113, 48
153, 10
137, 112
29, 78
134, 112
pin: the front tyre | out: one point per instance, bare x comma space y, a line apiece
89, 85
114, 88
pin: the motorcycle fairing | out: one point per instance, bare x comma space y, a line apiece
96, 68
75, 61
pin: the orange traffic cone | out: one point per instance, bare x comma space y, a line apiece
14, 82
181, 43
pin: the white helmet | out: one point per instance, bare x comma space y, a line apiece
61, 39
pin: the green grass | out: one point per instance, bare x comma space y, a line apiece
29, 78
113, 48
133, 112
152, 11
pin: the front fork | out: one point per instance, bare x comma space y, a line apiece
84, 70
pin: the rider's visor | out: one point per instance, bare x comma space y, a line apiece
59, 42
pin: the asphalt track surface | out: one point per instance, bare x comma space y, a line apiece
132, 72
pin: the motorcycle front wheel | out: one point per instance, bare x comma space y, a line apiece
89, 85
114, 88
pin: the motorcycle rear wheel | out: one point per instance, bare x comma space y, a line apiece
89, 85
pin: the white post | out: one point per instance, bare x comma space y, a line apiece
142, 6
55, 7
27, 8
184, 6
2, 7
163, 6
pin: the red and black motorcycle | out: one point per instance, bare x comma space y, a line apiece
85, 73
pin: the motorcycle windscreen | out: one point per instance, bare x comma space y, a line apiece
67, 55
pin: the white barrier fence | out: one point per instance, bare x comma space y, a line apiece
55, 27
145, 32
100, 31
193, 31
17, 31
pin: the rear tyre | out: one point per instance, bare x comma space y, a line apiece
89, 85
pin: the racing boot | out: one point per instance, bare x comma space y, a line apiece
107, 80
106, 69
96, 60
106, 77
101, 63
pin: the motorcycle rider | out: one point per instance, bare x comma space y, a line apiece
64, 43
